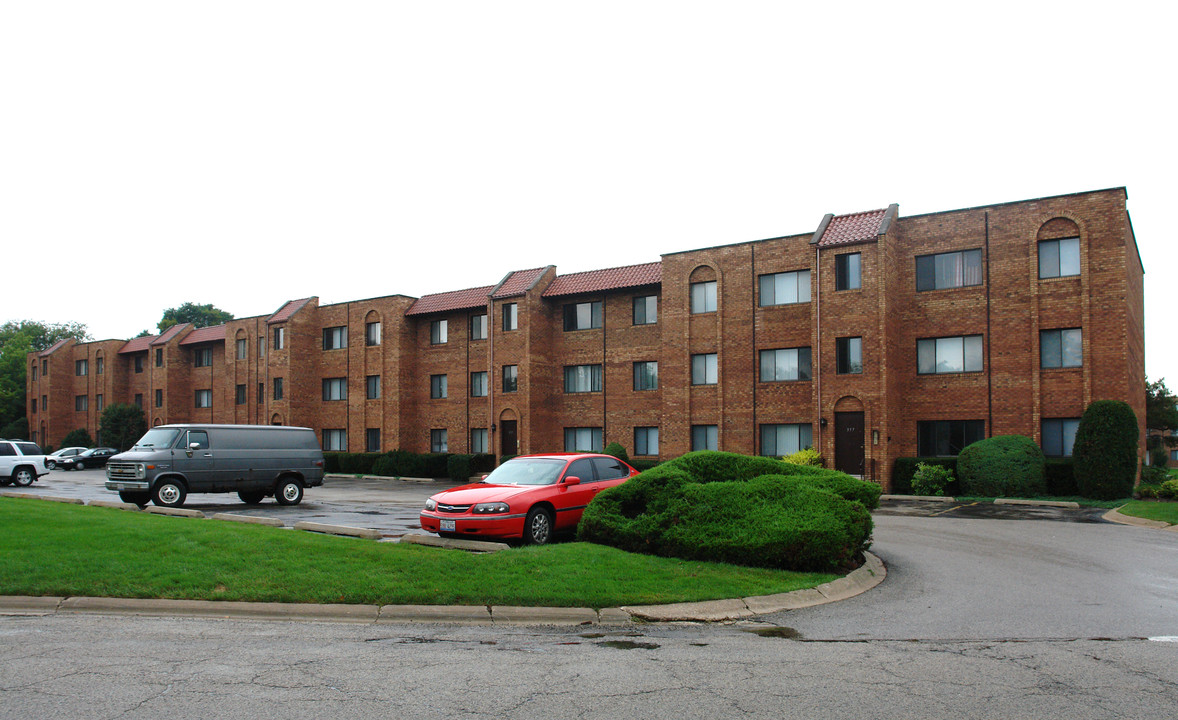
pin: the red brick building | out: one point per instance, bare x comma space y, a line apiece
874, 337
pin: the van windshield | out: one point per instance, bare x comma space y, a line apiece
157, 438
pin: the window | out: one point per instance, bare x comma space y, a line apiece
372, 435
705, 437
204, 398
646, 441
81, 403
510, 378
437, 386
139, 400
511, 316
159, 357
372, 387
1059, 435
277, 388
34, 372
704, 369
786, 439
437, 441
98, 403
34, 406
937, 356
335, 389
99, 365
202, 357
335, 338
279, 338
949, 270
240, 395
848, 271
849, 355
646, 375
437, 332
785, 364
478, 327
372, 334
646, 309
45, 403
335, 440
197, 440
785, 288
478, 439
703, 297
138, 364
261, 393
159, 398
478, 384
582, 316
1061, 348
261, 347
947, 437
241, 349
1059, 258
81, 367
582, 378
582, 439
45, 366
608, 468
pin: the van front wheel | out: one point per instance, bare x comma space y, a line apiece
289, 492
169, 493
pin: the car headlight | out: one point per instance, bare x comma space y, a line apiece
431, 504
487, 508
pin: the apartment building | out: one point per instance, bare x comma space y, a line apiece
873, 337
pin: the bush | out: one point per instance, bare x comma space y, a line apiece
904, 468
617, 451
1060, 477
1168, 490
1159, 456
463, 467
1002, 466
349, 463
931, 479
1105, 451
809, 456
732, 508
402, 463
641, 465
77, 438
1154, 475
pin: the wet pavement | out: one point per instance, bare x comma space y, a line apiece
989, 511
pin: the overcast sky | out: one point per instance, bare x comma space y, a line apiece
246, 153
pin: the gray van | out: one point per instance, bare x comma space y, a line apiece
255, 461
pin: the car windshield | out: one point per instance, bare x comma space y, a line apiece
527, 471
157, 438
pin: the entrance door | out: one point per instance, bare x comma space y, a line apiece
508, 443
848, 442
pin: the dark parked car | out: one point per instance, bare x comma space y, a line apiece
92, 458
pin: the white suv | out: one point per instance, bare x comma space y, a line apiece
21, 462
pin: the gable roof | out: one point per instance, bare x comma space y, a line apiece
170, 333
54, 347
853, 228
608, 279
286, 311
139, 344
213, 333
518, 282
449, 301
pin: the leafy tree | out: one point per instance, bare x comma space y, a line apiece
199, 315
77, 438
18, 429
17, 339
121, 425
1161, 414
1105, 451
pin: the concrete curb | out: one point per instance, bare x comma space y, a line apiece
1041, 503
112, 504
454, 543
220, 609
174, 512
366, 533
1114, 516
927, 498
345, 476
251, 519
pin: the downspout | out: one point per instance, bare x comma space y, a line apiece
989, 342
756, 377
604, 374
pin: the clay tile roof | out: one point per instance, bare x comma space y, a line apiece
608, 279
169, 334
53, 348
854, 228
448, 301
286, 311
214, 333
518, 282
139, 344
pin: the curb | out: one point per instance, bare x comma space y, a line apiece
1116, 517
345, 476
251, 519
927, 498
174, 512
365, 533
482, 546
1041, 503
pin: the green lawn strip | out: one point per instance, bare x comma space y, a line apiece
1081, 501
1152, 510
70, 550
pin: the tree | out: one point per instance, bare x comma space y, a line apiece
77, 438
1105, 451
121, 425
199, 315
1161, 414
17, 340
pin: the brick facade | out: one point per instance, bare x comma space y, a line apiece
861, 418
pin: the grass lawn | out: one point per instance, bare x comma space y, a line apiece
1152, 510
71, 550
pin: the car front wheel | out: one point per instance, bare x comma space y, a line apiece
169, 493
538, 527
23, 477
80, 466
50, 464
289, 492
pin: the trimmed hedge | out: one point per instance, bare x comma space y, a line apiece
733, 508
349, 463
463, 467
1060, 476
617, 451
904, 468
1002, 466
1105, 451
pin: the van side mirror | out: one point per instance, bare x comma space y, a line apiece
194, 446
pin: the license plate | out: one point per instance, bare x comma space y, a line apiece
447, 526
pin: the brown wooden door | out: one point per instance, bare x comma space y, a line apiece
508, 443
848, 442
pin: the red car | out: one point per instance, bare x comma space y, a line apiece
530, 497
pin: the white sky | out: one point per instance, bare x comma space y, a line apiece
245, 153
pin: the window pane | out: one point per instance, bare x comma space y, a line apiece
972, 264
1069, 435
768, 365
804, 370
926, 356
1069, 257
973, 353
1050, 351
787, 288
1071, 348
767, 290
925, 273
803, 286
1049, 259
950, 358
947, 269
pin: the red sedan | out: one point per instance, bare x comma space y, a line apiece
530, 497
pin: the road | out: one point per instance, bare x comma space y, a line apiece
980, 617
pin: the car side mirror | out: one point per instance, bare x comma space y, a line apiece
572, 480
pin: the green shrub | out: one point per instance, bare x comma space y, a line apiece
349, 463
1105, 451
904, 468
1159, 456
1168, 490
1002, 466
1154, 475
505, 458
930, 479
481, 463
733, 508
77, 438
641, 465
464, 467
1147, 492
402, 463
809, 456
617, 451
1060, 477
